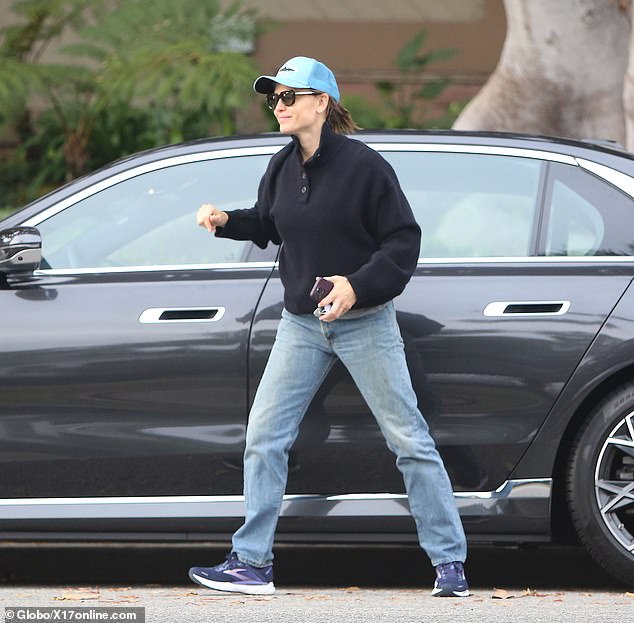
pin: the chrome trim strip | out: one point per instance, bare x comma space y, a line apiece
423, 261
620, 180
155, 268
498, 309
146, 168
541, 259
233, 505
153, 314
476, 149
517, 488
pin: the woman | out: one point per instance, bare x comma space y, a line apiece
338, 210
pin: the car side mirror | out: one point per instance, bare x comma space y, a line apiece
20, 250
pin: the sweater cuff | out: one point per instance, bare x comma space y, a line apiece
224, 231
360, 291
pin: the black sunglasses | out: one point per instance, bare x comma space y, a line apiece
287, 97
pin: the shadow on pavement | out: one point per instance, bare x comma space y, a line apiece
382, 566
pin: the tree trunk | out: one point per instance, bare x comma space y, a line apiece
76, 153
628, 96
561, 71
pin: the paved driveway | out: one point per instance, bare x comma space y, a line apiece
314, 584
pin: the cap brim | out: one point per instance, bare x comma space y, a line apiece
264, 84
267, 84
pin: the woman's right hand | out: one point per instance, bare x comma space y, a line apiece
210, 217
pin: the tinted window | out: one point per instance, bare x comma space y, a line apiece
149, 220
586, 215
470, 205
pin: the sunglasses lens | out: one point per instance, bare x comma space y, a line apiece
287, 97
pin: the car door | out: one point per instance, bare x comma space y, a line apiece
491, 330
512, 323
123, 368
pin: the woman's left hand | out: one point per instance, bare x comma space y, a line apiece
342, 297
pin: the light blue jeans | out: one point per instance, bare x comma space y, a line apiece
371, 348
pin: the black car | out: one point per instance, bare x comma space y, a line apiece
133, 341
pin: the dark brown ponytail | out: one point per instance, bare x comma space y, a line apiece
339, 119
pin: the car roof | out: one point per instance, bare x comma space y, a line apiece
550, 143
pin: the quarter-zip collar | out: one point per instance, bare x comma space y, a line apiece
329, 143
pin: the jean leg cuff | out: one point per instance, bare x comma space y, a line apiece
253, 563
444, 561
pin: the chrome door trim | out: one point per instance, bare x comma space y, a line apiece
616, 178
106, 270
541, 259
498, 309
423, 261
153, 314
477, 149
380, 504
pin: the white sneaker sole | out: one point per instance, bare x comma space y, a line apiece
247, 589
439, 592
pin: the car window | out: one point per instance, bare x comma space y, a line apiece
586, 216
470, 205
149, 219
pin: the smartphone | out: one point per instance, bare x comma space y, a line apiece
319, 291
321, 288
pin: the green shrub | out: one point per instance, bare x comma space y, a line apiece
142, 74
404, 102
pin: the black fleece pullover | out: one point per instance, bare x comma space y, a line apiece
342, 212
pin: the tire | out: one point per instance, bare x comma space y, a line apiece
600, 484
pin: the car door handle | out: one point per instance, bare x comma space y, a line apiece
181, 314
526, 308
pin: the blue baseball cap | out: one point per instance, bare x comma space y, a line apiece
300, 72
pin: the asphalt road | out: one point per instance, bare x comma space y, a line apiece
314, 584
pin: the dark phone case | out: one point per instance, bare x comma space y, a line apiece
321, 288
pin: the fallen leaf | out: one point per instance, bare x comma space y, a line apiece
530, 592
629, 594
207, 599
501, 593
351, 589
127, 598
77, 596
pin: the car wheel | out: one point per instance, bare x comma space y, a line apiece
601, 484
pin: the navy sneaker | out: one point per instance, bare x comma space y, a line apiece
450, 581
236, 577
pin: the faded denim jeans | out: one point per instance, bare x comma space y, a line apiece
371, 349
